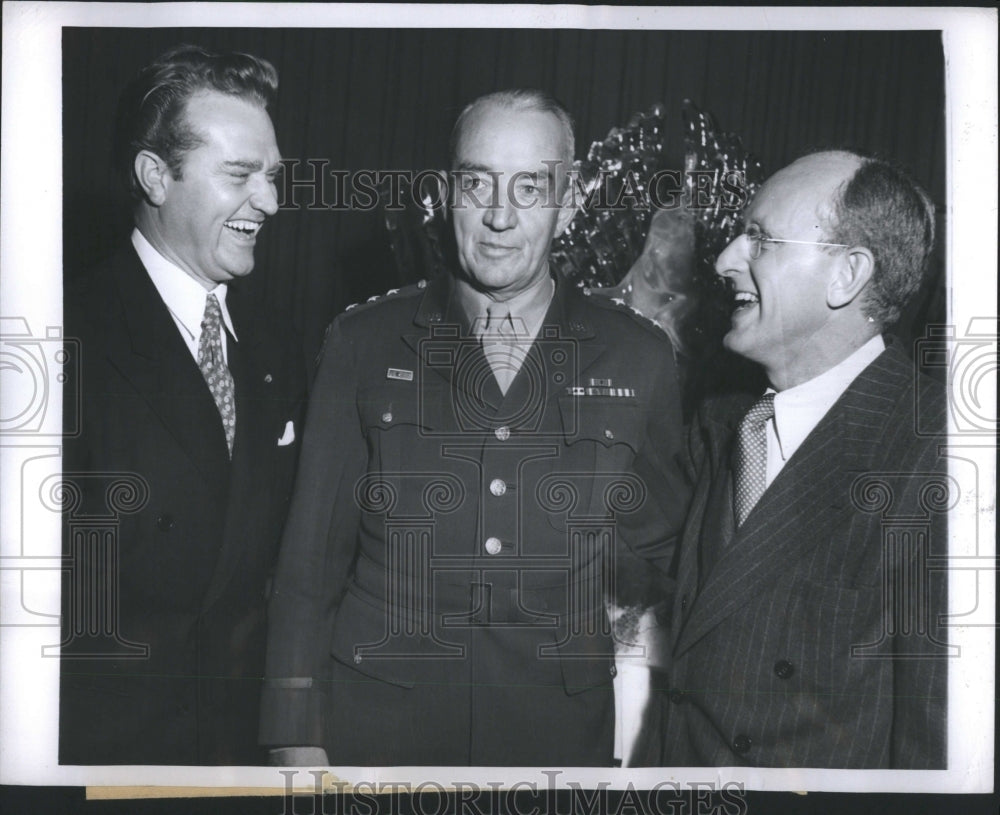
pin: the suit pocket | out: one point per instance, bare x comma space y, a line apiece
830, 621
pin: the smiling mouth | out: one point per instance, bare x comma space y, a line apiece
743, 300
245, 229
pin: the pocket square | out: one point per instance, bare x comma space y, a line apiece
289, 435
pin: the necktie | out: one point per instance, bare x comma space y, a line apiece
751, 456
213, 368
498, 341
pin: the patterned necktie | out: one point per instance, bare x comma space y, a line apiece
213, 367
751, 456
498, 341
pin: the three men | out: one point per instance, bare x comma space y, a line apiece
474, 450
478, 448
189, 411
806, 628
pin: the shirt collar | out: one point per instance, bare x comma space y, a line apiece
182, 294
527, 308
798, 410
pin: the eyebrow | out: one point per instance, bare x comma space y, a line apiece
534, 177
250, 165
475, 168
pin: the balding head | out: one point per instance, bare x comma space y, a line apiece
836, 243
881, 208
519, 99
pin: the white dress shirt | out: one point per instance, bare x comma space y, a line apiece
798, 410
183, 296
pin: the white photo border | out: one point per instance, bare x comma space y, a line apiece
30, 290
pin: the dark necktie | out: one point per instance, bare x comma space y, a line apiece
498, 341
213, 367
751, 456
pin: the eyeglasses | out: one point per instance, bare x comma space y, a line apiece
757, 238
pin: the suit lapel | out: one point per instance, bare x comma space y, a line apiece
716, 436
564, 348
439, 340
808, 497
255, 444
147, 349
468, 369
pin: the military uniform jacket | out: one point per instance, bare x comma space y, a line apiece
450, 550
811, 636
171, 543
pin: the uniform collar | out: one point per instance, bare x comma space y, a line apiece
527, 308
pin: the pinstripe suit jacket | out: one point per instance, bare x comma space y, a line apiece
810, 637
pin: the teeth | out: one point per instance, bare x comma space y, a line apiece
744, 298
246, 227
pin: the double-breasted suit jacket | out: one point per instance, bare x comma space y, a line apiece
810, 636
440, 596
164, 631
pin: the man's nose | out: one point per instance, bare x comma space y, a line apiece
265, 197
733, 259
501, 216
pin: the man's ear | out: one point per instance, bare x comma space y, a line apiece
153, 176
852, 275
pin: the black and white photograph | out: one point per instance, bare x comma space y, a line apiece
498, 399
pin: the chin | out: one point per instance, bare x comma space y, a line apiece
737, 342
238, 270
493, 278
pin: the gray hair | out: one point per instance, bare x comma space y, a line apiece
518, 99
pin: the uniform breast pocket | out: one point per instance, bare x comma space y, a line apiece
592, 478
395, 425
407, 473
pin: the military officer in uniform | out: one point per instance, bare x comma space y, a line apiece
477, 449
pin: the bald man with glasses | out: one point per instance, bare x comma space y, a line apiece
802, 634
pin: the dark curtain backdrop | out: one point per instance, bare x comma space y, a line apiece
386, 99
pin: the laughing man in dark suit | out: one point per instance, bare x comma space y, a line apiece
804, 633
190, 401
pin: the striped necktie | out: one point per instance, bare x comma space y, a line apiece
751, 456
